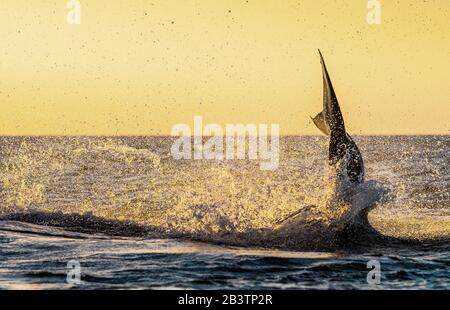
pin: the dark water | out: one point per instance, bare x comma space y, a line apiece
135, 218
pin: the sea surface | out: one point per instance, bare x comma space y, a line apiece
122, 213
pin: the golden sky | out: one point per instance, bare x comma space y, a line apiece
140, 67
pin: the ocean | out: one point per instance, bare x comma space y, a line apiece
128, 215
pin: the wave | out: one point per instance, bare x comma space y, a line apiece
127, 188
309, 230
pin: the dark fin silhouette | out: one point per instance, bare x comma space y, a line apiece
320, 123
331, 123
331, 109
332, 117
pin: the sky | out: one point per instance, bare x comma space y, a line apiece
140, 67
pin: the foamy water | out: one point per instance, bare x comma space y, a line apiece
126, 210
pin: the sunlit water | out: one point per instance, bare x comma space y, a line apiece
136, 218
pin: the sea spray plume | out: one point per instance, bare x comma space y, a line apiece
111, 186
346, 195
342, 210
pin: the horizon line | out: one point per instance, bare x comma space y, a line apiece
169, 135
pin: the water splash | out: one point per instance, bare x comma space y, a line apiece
134, 180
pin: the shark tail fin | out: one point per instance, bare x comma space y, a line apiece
319, 121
